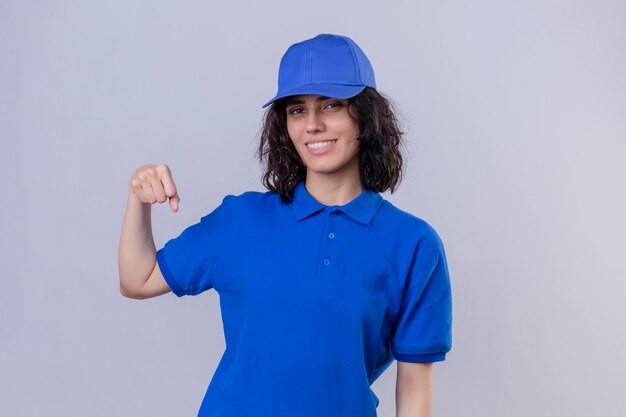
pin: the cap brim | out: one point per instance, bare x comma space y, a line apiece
328, 90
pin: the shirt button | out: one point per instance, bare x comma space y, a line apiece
331, 235
326, 261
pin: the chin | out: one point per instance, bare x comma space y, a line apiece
325, 170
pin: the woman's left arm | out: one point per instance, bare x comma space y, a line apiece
414, 389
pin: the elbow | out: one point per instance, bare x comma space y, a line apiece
124, 292
129, 293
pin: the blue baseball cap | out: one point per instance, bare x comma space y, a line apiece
328, 65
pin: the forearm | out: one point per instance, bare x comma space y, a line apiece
414, 389
137, 251
417, 403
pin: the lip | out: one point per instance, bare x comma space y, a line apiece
318, 141
320, 151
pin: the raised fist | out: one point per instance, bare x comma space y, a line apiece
154, 183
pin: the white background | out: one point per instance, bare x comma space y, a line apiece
515, 113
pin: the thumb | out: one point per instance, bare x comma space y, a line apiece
174, 202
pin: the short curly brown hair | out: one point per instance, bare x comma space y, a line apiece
380, 140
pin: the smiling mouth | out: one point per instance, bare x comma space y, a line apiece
321, 145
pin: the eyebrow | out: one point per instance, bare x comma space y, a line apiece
293, 101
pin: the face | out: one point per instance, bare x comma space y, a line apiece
324, 134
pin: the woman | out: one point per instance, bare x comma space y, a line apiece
322, 282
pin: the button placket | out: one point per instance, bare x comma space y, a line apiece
326, 252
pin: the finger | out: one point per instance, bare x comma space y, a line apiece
168, 185
174, 202
135, 187
148, 194
157, 188
171, 191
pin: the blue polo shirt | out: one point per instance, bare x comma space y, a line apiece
316, 300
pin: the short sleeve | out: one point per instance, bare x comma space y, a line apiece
187, 262
423, 328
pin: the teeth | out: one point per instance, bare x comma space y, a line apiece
320, 145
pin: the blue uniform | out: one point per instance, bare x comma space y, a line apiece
316, 300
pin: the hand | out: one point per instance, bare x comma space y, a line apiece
152, 183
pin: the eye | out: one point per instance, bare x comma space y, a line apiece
334, 105
295, 111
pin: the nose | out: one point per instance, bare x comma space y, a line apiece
314, 122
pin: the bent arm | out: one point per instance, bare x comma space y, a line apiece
139, 272
414, 389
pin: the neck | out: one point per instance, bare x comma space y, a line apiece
333, 191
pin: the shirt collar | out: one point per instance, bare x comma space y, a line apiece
362, 208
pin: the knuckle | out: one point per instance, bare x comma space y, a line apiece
163, 168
